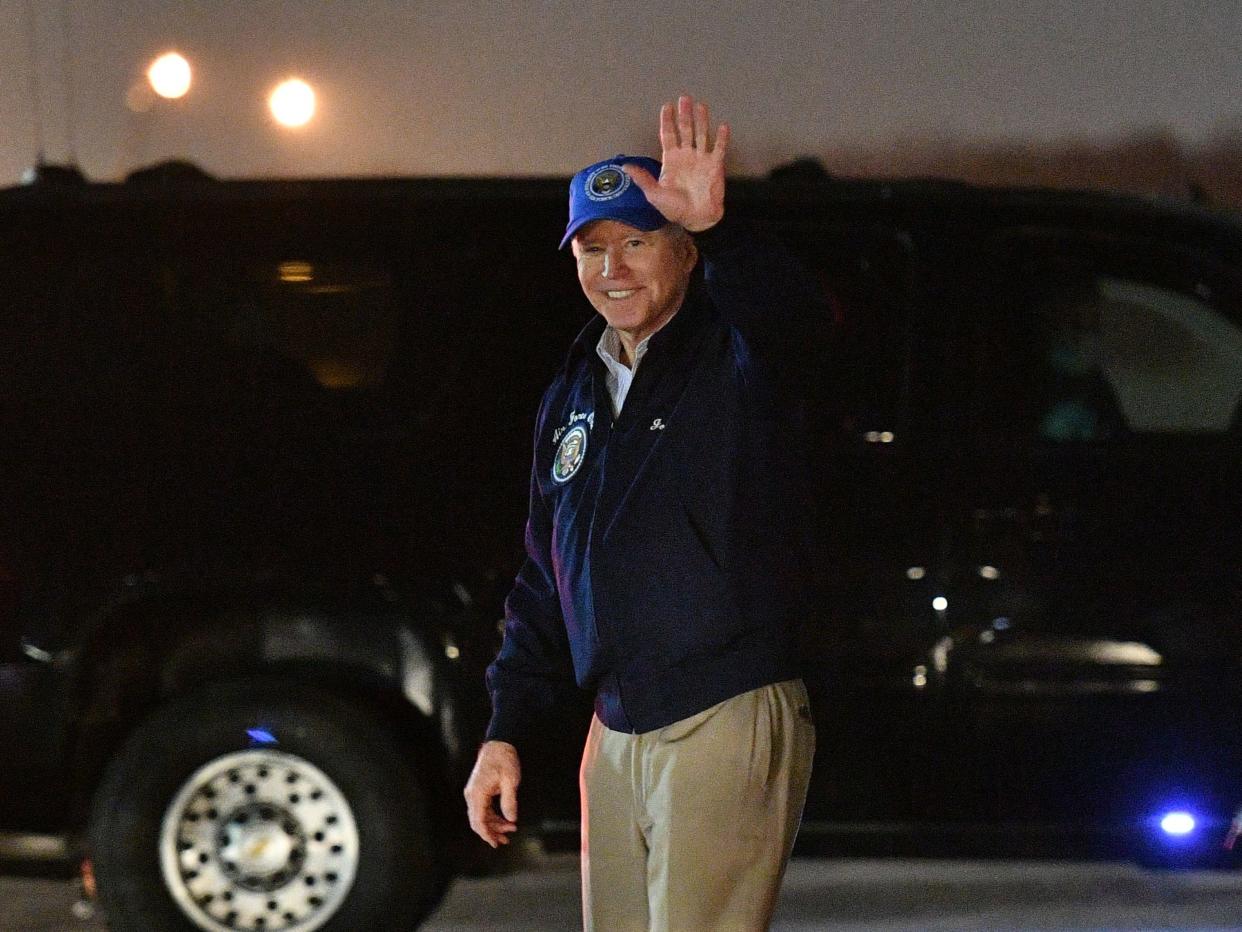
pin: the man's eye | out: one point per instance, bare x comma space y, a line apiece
635, 242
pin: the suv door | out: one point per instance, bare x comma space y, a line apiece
1094, 605
868, 647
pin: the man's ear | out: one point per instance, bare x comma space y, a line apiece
692, 253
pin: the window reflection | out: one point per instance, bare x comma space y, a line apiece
338, 320
1077, 358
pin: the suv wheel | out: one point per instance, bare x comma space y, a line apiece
249, 807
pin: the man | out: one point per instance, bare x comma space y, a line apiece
663, 551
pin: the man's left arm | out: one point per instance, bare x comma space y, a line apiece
764, 292
753, 281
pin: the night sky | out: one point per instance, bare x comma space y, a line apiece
543, 88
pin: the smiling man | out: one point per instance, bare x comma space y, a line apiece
637, 280
664, 563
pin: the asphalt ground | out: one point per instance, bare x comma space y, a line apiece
819, 894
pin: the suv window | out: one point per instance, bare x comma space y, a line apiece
1172, 362
1069, 353
335, 321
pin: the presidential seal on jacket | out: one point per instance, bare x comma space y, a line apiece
570, 454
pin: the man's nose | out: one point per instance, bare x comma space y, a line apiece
612, 264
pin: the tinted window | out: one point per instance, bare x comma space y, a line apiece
1172, 362
334, 321
1082, 351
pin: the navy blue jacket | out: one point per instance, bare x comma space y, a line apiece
665, 562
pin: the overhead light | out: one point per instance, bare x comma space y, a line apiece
170, 75
292, 103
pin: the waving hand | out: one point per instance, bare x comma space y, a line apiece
690, 189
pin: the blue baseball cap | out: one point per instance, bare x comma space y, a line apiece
604, 192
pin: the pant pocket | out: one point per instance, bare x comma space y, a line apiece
684, 728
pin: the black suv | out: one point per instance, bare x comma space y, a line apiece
264, 460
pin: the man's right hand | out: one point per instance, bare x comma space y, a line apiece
497, 772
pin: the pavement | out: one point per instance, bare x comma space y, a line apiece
819, 894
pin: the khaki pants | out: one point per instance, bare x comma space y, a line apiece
688, 828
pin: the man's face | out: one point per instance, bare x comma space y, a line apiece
635, 279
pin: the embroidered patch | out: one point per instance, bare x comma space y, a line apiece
570, 454
607, 182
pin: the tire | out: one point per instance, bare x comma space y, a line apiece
263, 805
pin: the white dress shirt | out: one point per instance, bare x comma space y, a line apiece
620, 376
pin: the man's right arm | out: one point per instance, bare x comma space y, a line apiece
534, 659
524, 678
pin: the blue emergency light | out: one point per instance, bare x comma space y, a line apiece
1178, 823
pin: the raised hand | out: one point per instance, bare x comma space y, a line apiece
690, 189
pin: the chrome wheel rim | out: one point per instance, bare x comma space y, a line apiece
259, 839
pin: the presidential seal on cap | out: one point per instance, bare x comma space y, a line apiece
603, 191
605, 183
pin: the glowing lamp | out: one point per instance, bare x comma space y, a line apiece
292, 103
169, 75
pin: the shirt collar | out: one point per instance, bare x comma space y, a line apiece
609, 349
